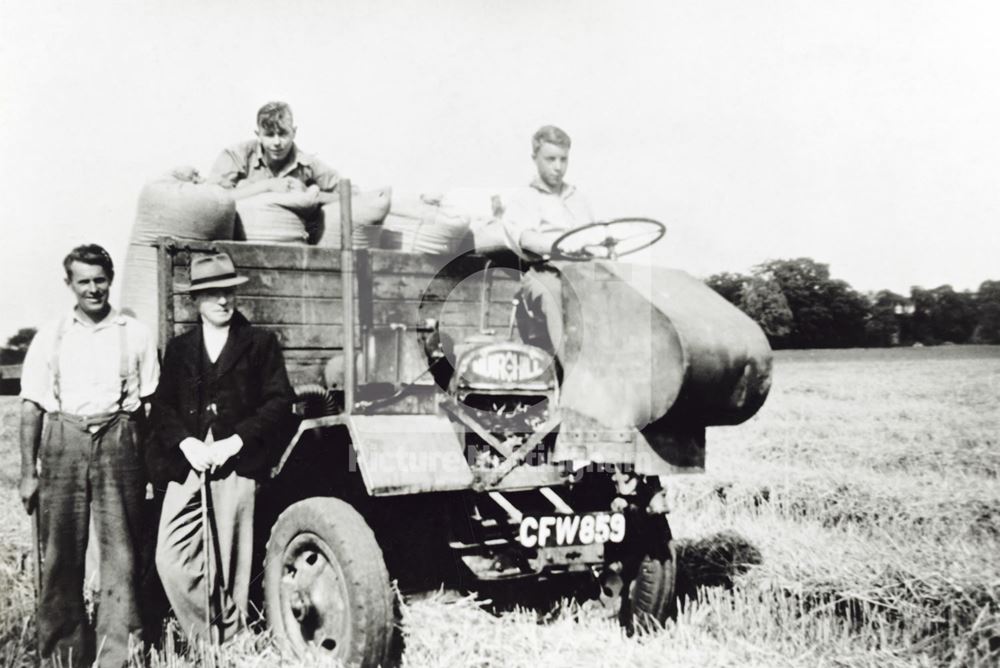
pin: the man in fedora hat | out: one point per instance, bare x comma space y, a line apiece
224, 401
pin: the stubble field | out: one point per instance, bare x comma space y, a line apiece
854, 522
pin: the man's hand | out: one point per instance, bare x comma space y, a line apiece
31, 434
197, 453
222, 451
29, 492
285, 184
540, 243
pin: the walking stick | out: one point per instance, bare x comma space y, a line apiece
206, 546
37, 549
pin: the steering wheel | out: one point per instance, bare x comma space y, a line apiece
608, 241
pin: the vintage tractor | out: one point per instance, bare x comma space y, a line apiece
442, 438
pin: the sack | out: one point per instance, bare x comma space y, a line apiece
140, 286
174, 205
489, 236
177, 207
368, 210
436, 232
277, 217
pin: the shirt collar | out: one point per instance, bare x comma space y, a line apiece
542, 187
114, 317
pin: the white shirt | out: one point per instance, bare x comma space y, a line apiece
89, 365
538, 208
215, 340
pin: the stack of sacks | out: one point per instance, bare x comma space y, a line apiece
175, 205
368, 210
484, 207
277, 217
424, 224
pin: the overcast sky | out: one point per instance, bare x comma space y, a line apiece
863, 134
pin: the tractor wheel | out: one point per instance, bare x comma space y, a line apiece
326, 587
652, 597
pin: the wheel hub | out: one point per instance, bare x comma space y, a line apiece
314, 596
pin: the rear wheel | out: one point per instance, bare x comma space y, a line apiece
326, 587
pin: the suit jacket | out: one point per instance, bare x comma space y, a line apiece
249, 388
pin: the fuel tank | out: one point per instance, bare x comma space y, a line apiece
643, 343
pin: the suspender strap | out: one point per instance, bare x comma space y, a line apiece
123, 361
64, 325
123, 368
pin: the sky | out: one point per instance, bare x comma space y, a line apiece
861, 133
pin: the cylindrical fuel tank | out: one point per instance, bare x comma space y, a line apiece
640, 341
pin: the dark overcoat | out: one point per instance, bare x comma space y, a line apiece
245, 392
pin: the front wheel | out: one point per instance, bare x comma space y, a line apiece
651, 597
326, 587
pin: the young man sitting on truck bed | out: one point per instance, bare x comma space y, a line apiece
272, 162
545, 210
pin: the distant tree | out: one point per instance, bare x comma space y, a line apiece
14, 350
763, 300
942, 315
888, 313
827, 313
729, 285
921, 329
953, 316
987, 313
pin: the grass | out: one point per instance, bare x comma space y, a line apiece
854, 522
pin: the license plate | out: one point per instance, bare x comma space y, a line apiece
559, 530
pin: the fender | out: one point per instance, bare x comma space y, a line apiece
397, 454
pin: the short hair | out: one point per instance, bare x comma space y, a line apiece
274, 115
89, 254
549, 134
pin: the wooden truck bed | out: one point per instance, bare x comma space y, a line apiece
295, 291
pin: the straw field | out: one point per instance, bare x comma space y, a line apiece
854, 522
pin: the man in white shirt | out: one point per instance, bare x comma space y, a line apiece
535, 218
87, 376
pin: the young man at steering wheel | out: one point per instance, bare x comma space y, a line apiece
544, 211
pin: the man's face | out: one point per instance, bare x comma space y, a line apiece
216, 305
90, 285
552, 162
277, 140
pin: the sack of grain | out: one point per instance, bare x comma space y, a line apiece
423, 226
177, 205
174, 205
277, 217
368, 210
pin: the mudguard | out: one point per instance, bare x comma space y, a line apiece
398, 454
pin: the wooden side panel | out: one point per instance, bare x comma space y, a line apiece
295, 291
279, 282
272, 256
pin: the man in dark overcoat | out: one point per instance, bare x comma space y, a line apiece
223, 405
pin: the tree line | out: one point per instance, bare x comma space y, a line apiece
799, 305
14, 350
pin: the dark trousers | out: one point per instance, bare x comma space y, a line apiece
83, 470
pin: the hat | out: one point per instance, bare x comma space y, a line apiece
212, 271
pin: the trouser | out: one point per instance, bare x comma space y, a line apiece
184, 561
83, 471
541, 291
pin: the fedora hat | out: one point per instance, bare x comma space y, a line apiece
212, 271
